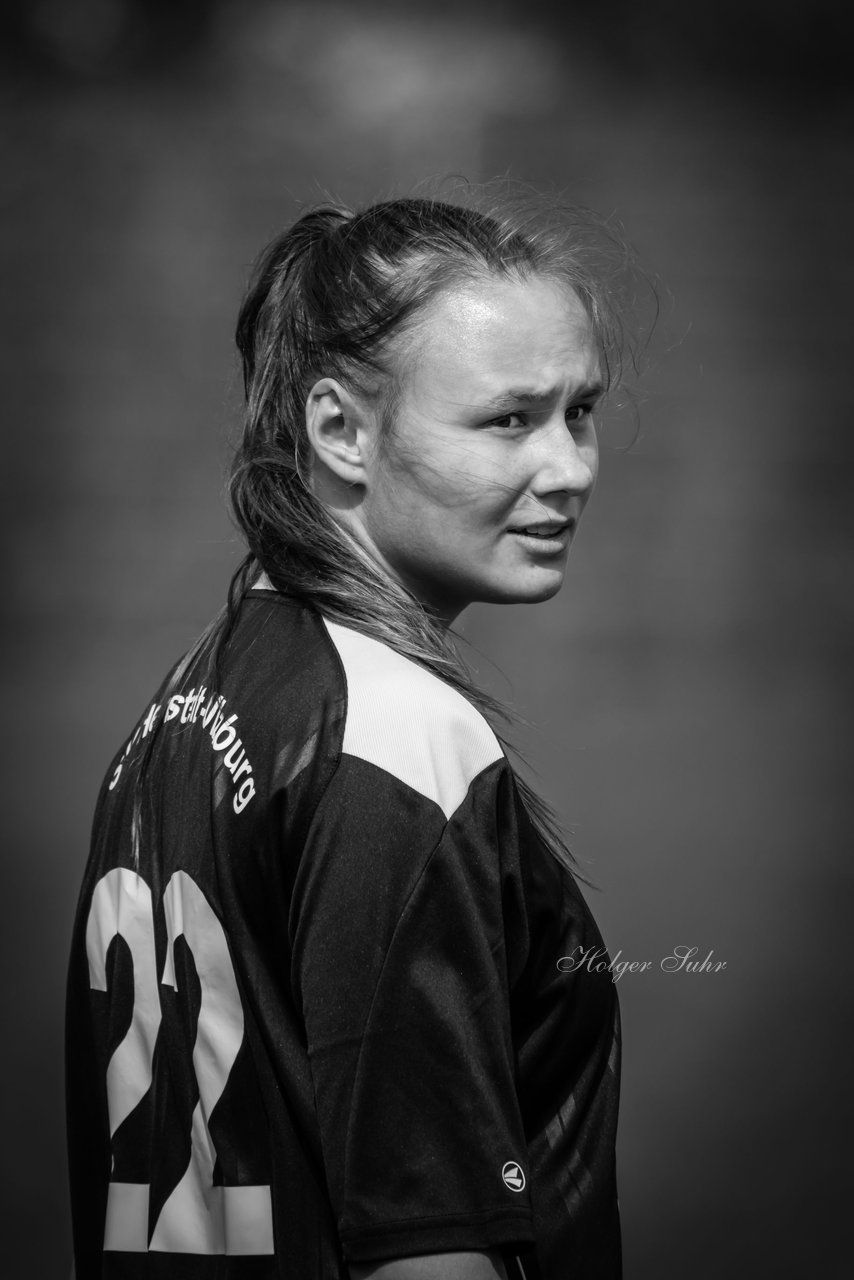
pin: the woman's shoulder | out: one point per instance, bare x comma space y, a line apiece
406, 720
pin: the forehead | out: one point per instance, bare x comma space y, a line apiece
479, 338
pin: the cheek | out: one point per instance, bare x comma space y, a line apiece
454, 483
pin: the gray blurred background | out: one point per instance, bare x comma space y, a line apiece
687, 693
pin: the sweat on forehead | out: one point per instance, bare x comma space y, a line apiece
519, 330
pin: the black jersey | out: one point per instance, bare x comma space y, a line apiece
316, 1011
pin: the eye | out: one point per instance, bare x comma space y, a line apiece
509, 420
578, 412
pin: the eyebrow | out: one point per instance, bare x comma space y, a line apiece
530, 395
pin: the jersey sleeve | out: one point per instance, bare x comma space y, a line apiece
400, 924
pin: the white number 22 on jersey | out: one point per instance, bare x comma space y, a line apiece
198, 1217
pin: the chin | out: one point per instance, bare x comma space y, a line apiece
525, 593
537, 596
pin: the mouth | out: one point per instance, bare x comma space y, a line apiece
549, 536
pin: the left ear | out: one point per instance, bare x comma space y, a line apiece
340, 431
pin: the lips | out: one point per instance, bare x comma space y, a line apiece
543, 529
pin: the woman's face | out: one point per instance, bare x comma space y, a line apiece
477, 491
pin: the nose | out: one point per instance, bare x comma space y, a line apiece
565, 461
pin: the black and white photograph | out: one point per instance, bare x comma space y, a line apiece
428, 499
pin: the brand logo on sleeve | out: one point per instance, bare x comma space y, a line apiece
513, 1176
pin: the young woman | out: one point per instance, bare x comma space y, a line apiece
317, 1027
